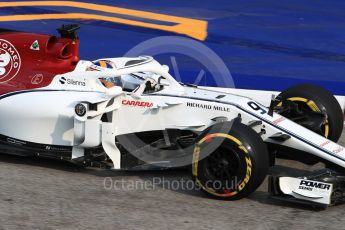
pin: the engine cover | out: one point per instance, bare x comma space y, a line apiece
29, 60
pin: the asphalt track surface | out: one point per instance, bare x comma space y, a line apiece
44, 194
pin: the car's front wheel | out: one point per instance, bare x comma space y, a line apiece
230, 160
314, 108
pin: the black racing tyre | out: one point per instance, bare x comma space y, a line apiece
230, 160
314, 99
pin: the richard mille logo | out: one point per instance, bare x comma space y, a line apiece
204, 106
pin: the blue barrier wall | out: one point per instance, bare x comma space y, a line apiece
266, 44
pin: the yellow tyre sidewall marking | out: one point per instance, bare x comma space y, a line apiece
196, 158
312, 105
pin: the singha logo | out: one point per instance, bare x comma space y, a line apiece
9, 61
62, 80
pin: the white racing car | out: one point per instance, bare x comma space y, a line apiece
130, 113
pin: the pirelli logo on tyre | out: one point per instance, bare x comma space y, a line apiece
9, 61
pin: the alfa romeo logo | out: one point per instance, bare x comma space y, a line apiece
9, 61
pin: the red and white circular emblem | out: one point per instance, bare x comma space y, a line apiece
9, 61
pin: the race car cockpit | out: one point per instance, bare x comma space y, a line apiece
128, 82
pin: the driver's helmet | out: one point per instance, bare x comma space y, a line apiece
104, 64
106, 82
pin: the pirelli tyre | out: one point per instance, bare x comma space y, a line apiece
314, 108
230, 161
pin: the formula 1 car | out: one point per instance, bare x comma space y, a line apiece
130, 113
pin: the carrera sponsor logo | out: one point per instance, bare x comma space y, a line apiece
69, 81
203, 106
279, 120
325, 143
309, 185
338, 149
137, 103
9, 61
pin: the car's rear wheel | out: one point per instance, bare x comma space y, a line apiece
314, 108
230, 160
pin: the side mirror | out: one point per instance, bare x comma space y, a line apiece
162, 81
113, 91
137, 92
